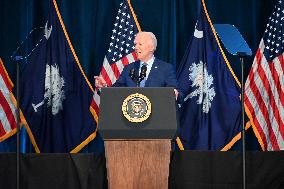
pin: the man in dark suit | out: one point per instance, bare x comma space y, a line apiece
158, 73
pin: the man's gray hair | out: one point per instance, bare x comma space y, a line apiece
152, 36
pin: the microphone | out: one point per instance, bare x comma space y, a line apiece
143, 72
132, 74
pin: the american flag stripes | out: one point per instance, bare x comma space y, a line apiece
121, 48
264, 88
8, 124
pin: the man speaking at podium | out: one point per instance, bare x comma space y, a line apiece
152, 72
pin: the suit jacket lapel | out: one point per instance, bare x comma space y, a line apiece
152, 73
136, 67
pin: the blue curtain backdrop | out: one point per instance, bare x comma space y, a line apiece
89, 24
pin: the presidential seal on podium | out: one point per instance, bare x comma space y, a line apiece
136, 108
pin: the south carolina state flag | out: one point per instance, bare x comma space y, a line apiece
210, 117
55, 93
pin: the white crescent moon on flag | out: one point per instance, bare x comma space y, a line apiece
198, 34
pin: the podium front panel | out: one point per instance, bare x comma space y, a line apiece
161, 124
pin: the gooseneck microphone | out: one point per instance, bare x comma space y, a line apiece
138, 79
132, 74
142, 73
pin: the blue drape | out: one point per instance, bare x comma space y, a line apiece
89, 24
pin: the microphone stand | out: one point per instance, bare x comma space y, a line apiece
137, 82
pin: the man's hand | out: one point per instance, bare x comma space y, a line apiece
100, 82
176, 93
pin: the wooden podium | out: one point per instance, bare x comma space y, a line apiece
138, 154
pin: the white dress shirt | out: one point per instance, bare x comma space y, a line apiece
149, 66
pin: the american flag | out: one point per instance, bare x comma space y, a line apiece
264, 88
121, 48
8, 122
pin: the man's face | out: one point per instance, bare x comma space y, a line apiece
143, 47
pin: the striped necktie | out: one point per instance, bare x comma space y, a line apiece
142, 83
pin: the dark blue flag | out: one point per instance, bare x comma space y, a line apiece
55, 93
210, 117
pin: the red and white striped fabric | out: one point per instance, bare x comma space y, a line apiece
264, 88
8, 122
121, 49
110, 73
